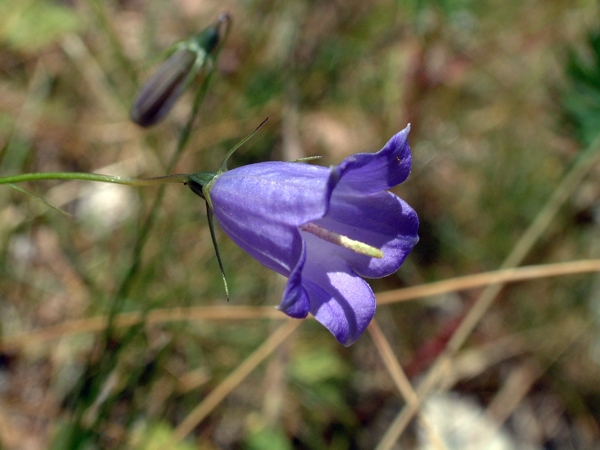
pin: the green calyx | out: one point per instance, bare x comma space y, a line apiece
205, 41
209, 38
201, 182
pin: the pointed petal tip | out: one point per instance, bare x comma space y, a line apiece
400, 139
297, 312
295, 301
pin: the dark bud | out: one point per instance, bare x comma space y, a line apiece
161, 91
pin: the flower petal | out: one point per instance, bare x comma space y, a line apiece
367, 173
260, 207
380, 220
275, 245
339, 299
295, 301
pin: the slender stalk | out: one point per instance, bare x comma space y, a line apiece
211, 227
99, 9
144, 232
101, 369
83, 176
234, 379
40, 199
97, 372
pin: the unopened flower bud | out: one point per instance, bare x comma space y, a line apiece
158, 95
160, 92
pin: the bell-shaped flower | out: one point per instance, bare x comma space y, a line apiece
322, 228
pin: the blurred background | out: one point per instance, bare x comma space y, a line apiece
503, 98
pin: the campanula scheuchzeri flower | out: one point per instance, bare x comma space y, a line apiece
322, 228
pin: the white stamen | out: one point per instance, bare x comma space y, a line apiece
342, 241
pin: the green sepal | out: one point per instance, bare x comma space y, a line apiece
200, 182
207, 40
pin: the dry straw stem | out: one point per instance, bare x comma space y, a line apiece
235, 378
157, 316
551, 339
582, 166
401, 380
233, 313
472, 362
520, 381
511, 275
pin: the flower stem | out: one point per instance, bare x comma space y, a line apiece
175, 178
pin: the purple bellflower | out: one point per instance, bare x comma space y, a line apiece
322, 228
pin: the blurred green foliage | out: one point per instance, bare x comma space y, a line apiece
582, 98
30, 26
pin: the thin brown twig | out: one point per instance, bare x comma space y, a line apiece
511, 275
194, 313
521, 380
235, 378
157, 316
401, 380
473, 361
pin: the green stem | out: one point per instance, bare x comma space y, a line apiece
144, 232
82, 176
